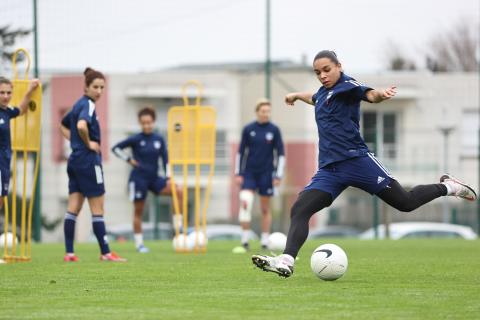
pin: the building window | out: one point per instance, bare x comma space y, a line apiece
380, 133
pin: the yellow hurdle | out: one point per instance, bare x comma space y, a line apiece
191, 146
25, 134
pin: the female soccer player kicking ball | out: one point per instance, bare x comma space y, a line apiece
6, 113
259, 167
344, 159
147, 148
84, 168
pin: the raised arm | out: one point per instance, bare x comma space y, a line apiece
377, 96
28, 96
303, 96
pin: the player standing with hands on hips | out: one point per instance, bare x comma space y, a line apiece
85, 174
259, 168
344, 159
147, 148
6, 113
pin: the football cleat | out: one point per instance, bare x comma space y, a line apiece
70, 258
112, 256
278, 265
459, 188
142, 249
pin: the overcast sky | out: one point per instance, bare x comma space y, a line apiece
146, 35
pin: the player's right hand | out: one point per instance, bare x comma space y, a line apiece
239, 180
290, 99
94, 146
133, 162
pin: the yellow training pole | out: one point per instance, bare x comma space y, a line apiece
197, 179
185, 179
30, 211
25, 138
24, 193
14, 203
5, 227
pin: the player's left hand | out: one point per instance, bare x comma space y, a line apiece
33, 84
276, 182
389, 92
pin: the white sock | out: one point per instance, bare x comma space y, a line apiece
264, 238
288, 259
245, 236
449, 187
138, 239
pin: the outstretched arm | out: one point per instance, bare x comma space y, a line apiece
376, 96
303, 96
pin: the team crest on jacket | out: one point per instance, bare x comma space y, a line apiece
143, 143
269, 136
252, 134
157, 144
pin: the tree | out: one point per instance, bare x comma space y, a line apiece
455, 49
8, 37
396, 59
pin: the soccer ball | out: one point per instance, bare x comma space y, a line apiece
181, 243
277, 241
9, 237
329, 262
201, 241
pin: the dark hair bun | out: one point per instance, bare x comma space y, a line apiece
87, 71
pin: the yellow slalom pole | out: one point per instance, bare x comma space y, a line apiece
185, 179
30, 209
24, 192
197, 178
5, 227
14, 204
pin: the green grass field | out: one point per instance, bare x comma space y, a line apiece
413, 279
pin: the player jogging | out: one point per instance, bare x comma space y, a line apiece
344, 159
6, 113
147, 148
259, 168
85, 174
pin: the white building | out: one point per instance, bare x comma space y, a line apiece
405, 132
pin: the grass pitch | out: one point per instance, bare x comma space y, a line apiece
413, 279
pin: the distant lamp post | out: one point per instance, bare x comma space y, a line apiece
446, 130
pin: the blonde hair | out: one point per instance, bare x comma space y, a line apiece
262, 102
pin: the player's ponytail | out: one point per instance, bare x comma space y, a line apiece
327, 54
92, 74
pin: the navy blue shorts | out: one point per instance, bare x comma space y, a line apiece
366, 173
88, 180
139, 186
261, 182
4, 180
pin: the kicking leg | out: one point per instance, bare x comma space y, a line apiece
308, 203
396, 196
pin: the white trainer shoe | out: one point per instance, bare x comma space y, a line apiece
279, 264
459, 188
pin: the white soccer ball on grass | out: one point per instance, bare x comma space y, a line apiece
277, 241
9, 237
329, 262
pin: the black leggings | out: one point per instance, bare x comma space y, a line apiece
311, 201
